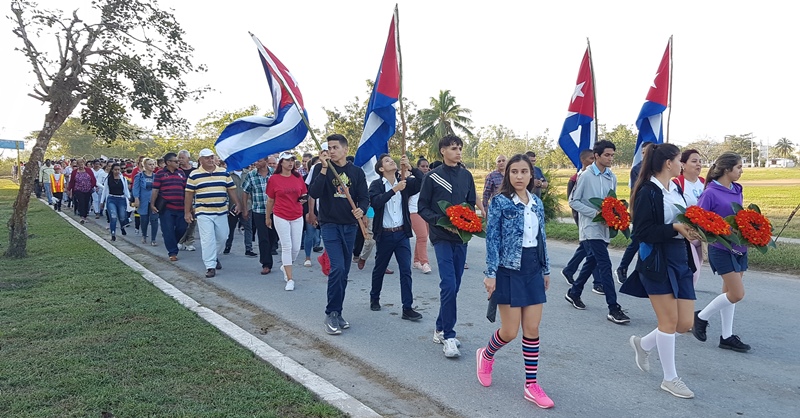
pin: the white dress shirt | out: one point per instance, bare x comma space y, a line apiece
531, 229
393, 211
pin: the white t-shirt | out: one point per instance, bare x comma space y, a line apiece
692, 191
671, 198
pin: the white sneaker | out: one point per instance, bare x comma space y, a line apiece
181, 247
450, 348
289, 285
285, 277
677, 388
189, 248
417, 265
438, 338
426, 268
307, 263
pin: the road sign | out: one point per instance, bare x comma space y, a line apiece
12, 144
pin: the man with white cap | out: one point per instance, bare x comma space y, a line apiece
210, 187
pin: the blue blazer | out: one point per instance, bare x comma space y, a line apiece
504, 228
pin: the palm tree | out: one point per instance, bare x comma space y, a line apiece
440, 119
784, 148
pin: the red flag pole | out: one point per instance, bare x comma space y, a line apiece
363, 221
669, 95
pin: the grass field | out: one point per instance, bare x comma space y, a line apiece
84, 335
775, 190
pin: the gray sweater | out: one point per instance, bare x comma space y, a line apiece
592, 183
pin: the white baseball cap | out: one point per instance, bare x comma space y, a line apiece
206, 152
286, 155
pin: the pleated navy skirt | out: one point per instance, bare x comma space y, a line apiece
523, 287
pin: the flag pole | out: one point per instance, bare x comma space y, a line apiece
400, 63
669, 96
594, 89
363, 221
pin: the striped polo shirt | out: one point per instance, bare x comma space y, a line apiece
210, 191
171, 187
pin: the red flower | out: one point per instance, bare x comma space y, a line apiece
464, 219
615, 214
708, 221
754, 227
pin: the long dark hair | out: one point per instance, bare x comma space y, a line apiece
652, 164
724, 163
506, 189
280, 168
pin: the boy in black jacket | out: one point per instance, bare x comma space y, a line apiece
392, 227
450, 182
338, 222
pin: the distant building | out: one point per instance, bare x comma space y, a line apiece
781, 162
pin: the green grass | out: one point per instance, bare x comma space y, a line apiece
785, 258
83, 334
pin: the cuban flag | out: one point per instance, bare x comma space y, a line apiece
651, 118
579, 133
251, 138
381, 114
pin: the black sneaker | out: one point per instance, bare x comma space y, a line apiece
375, 304
122, 229
568, 277
343, 324
618, 317
317, 249
250, 253
699, 328
598, 288
622, 275
576, 301
411, 315
227, 250
219, 265
332, 324
733, 343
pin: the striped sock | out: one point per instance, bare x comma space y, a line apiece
495, 343
530, 353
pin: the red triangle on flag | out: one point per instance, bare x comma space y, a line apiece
582, 100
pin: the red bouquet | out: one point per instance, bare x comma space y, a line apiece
710, 225
751, 227
462, 219
614, 213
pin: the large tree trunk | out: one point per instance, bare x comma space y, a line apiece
18, 224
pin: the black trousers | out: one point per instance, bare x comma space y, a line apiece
264, 239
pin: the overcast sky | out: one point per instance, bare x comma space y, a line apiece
512, 63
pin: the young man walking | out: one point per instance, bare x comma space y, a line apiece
254, 205
338, 222
392, 227
594, 236
170, 185
450, 182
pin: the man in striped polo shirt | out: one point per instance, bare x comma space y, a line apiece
169, 184
210, 187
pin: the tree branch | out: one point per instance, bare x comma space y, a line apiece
29, 49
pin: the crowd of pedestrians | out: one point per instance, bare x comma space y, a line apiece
324, 203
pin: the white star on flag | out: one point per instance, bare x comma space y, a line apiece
576, 135
578, 91
654, 81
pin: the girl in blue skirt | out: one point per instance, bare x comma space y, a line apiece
517, 273
665, 265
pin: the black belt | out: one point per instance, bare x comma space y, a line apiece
395, 229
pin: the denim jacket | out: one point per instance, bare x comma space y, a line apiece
504, 229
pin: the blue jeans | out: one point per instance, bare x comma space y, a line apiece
149, 219
598, 263
572, 265
173, 226
339, 241
396, 243
311, 239
631, 251
116, 210
450, 258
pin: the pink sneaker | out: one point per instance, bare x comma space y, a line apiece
484, 367
426, 268
417, 265
535, 394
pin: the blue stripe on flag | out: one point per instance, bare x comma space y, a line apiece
381, 112
651, 114
567, 143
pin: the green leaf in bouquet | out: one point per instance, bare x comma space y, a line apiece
763, 250
612, 232
703, 235
625, 203
772, 244
598, 218
465, 236
731, 220
596, 201
612, 193
736, 207
682, 218
735, 238
443, 205
481, 234
754, 207
445, 222
724, 242
681, 208
627, 233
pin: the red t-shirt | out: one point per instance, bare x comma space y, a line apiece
286, 191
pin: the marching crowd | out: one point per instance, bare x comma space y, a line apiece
325, 201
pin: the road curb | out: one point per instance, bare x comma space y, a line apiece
316, 384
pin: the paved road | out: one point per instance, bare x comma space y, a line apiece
586, 365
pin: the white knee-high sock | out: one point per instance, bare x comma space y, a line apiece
666, 353
649, 340
727, 320
715, 305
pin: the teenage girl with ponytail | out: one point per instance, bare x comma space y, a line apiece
722, 190
664, 268
692, 185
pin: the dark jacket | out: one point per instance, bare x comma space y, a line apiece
451, 184
333, 205
378, 198
652, 233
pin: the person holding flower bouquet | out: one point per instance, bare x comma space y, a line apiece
452, 183
720, 193
517, 273
692, 185
664, 268
596, 182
